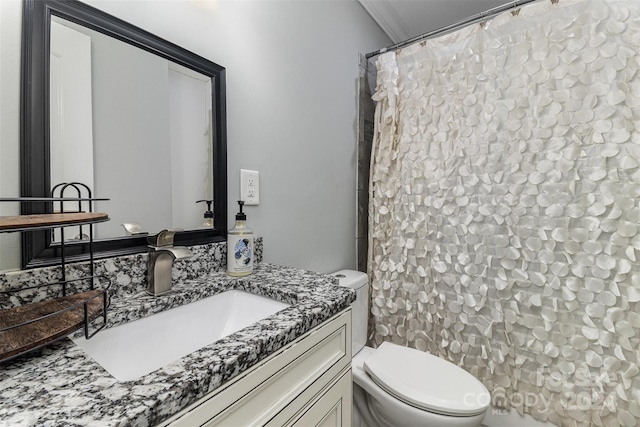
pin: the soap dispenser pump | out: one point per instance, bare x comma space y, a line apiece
240, 250
208, 215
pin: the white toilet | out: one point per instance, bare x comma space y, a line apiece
397, 386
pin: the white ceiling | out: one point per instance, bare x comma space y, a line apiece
405, 19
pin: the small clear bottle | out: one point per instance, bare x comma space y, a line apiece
208, 215
240, 249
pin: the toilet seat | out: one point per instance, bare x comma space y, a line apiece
426, 381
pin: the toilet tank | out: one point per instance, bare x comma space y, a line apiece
359, 308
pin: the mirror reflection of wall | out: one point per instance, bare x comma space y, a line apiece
71, 121
135, 127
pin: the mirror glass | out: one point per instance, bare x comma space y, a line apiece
120, 115
137, 119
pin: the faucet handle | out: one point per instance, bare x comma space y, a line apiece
180, 252
133, 228
164, 238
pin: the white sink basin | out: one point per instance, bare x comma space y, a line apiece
137, 348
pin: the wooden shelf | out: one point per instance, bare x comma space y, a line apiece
46, 221
30, 326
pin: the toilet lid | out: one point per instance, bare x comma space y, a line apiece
426, 381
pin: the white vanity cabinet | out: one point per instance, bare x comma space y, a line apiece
306, 383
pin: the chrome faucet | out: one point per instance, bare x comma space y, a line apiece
162, 253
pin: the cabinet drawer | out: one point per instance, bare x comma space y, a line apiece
259, 394
332, 408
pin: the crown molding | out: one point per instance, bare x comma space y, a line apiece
386, 16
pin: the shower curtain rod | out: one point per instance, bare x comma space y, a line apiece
467, 21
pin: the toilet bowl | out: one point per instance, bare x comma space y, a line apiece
398, 386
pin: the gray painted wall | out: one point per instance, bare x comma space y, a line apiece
292, 68
135, 95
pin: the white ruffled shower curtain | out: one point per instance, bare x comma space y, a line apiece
504, 214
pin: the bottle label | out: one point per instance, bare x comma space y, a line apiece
240, 256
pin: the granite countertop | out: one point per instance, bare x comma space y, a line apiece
60, 385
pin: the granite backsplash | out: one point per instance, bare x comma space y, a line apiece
127, 275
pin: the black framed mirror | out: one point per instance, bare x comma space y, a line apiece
38, 249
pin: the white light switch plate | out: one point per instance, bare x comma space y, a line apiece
250, 187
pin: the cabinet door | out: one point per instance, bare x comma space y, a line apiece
331, 409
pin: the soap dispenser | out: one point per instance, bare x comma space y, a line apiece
240, 246
208, 215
